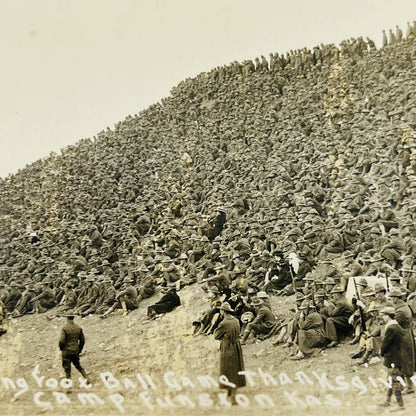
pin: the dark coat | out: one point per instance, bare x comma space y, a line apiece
72, 338
231, 358
167, 303
404, 318
311, 333
391, 346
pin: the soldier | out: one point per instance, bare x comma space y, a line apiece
25, 304
87, 300
127, 299
169, 301
263, 322
311, 332
231, 362
391, 350
13, 297
45, 299
69, 300
71, 343
107, 297
403, 316
337, 322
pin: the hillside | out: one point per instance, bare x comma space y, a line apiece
311, 153
130, 346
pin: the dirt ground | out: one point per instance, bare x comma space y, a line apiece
141, 367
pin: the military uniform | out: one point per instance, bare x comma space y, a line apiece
71, 343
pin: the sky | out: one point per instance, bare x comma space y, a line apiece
70, 68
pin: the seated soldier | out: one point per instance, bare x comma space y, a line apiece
358, 318
45, 299
126, 299
69, 300
210, 319
370, 340
168, 302
337, 321
289, 327
263, 322
311, 332
147, 286
107, 296
25, 304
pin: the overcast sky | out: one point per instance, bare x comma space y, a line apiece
71, 68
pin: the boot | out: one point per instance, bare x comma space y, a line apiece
365, 358
245, 336
358, 354
355, 340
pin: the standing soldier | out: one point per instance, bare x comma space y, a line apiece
391, 350
231, 362
71, 343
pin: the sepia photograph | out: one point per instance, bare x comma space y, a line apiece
207, 207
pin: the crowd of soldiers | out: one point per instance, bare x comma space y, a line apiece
279, 177
256, 179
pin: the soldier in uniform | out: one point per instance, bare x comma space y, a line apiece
69, 300
107, 297
13, 297
71, 343
25, 304
126, 298
87, 301
45, 299
337, 322
231, 361
403, 316
263, 322
391, 350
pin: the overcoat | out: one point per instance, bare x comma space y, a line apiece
403, 316
391, 346
311, 333
231, 354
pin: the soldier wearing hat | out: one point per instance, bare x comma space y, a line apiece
263, 322
380, 295
13, 297
89, 297
337, 322
107, 296
311, 332
25, 304
231, 354
45, 299
210, 320
69, 300
71, 343
126, 299
147, 285
403, 316
391, 349
369, 344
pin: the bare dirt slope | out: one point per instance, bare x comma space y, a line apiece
158, 367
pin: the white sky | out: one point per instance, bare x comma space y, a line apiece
71, 68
